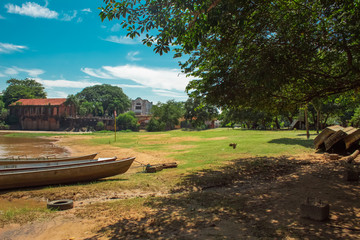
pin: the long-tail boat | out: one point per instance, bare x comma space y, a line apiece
47, 165
9, 161
64, 174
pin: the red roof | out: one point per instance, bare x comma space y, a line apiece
39, 102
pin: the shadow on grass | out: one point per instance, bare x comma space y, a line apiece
76, 184
304, 134
291, 141
249, 198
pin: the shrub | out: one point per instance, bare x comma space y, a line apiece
127, 121
155, 125
4, 126
100, 126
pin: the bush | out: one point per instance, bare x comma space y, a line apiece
127, 121
100, 126
355, 119
155, 125
4, 126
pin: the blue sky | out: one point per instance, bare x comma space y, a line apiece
64, 45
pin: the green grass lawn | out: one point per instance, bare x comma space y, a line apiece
195, 151
200, 148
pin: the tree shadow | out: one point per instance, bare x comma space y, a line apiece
291, 141
249, 198
73, 184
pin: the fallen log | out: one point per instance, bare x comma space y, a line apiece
351, 157
332, 156
158, 167
169, 165
153, 169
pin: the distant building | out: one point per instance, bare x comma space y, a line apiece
41, 114
141, 107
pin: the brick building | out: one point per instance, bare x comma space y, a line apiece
41, 114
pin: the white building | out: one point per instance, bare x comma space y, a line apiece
141, 107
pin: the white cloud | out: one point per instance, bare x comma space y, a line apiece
116, 27
86, 10
68, 17
131, 56
30, 72
167, 79
62, 83
9, 48
96, 73
31, 9
172, 94
11, 71
122, 40
57, 94
128, 86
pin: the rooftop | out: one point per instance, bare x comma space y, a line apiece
39, 102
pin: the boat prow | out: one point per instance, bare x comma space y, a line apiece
64, 174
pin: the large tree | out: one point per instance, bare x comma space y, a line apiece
252, 52
112, 98
22, 89
167, 114
197, 112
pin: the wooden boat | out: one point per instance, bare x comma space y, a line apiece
338, 139
8, 161
64, 174
334, 139
19, 167
324, 135
353, 137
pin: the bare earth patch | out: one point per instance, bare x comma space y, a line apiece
154, 157
252, 197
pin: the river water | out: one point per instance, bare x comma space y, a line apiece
14, 147
29, 147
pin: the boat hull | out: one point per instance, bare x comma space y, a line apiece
45, 160
47, 165
62, 175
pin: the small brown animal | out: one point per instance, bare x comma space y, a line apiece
233, 145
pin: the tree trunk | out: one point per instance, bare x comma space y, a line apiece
307, 122
318, 121
323, 124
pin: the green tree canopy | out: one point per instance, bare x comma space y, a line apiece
110, 97
127, 121
168, 114
252, 52
197, 112
3, 115
251, 118
22, 89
